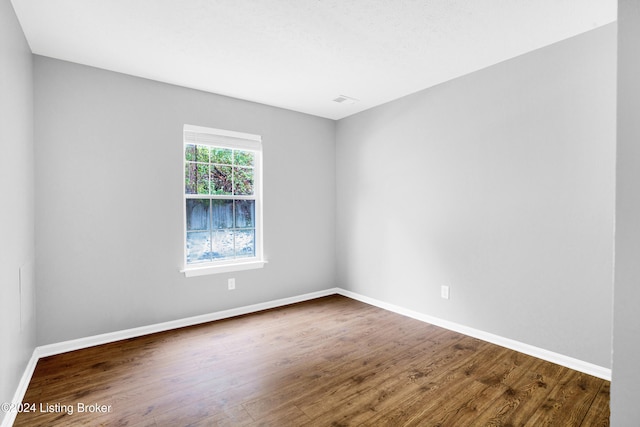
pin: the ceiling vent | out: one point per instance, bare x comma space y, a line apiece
345, 100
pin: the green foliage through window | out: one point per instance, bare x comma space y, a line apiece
222, 171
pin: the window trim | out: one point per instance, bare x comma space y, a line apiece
223, 268
234, 140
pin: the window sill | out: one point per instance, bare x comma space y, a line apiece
222, 268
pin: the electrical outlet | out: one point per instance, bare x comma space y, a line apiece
444, 291
231, 283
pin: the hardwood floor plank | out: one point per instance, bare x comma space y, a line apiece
428, 374
361, 373
598, 413
568, 403
354, 383
327, 362
201, 414
496, 382
520, 395
439, 395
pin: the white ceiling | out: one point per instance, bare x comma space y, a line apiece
301, 54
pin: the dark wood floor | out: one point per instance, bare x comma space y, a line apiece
327, 362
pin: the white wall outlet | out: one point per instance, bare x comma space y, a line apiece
444, 291
231, 284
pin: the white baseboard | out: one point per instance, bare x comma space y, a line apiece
77, 344
550, 356
10, 416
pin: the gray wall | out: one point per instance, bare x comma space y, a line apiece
625, 387
109, 212
17, 317
499, 184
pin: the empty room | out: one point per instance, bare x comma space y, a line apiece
319, 212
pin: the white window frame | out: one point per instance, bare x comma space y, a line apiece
234, 140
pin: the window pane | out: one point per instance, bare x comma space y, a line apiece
245, 243
244, 158
221, 180
190, 152
202, 179
202, 153
196, 179
198, 214
245, 213
190, 186
198, 247
243, 181
221, 155
222, 244
222, 214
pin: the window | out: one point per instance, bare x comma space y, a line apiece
222, 201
